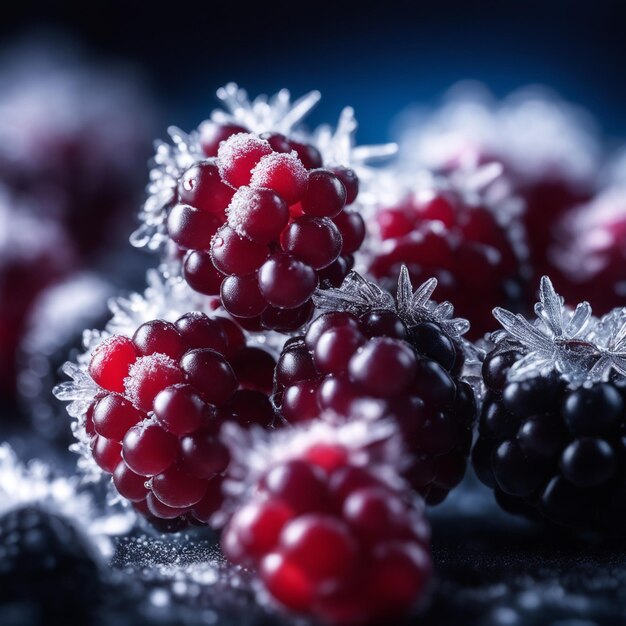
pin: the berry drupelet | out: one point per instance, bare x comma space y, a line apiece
330, 531
444, 231
551, 435
43, 562
159, 401
371, 356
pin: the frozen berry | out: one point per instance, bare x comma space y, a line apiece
283, 173
212, 134
550, 437
160, 435
357, 359
238, 155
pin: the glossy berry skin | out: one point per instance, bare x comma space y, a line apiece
375, 366
261, 224
164, 395
319, 532
436, 233
554, 452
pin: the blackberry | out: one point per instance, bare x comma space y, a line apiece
369, 355
552, 426
47, 568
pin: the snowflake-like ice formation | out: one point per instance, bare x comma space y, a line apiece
358, 295
36, 484
375, 444
580, 347
263, 114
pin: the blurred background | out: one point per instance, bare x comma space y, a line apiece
85, 88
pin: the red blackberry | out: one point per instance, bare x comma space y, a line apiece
43, 561
371, 356
328, 527
461, 238
553, 421
160, 400
587, 250
255, 217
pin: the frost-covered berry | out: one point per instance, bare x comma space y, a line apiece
326, 525
161, 399
459, 239
553, 420
370, 356
251, 214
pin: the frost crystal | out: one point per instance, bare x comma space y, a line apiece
581, 348
375, 444
37, 484
358, 295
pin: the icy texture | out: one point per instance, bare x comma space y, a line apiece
270, 164
532, 131
264, 114
358, 295
37, 484
147, 368
583, 349
375, 444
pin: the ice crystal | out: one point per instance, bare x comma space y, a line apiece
358, 295
375, 444
581, 348
36, 484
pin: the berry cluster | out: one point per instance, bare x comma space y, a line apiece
261, 223
163, 395
383, 360
553, 421
438, 232
330, 538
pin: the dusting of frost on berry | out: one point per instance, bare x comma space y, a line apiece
580, 347
358, 295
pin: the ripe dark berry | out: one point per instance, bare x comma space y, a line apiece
234, 254
318, 531
238, 155
314, 240
377, 364
350, 181
191, 228
160, 435
551, 432
202, 188
212, 134
258, 214
286, 282
325, 195
282, 173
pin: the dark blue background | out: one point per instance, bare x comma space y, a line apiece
378, 57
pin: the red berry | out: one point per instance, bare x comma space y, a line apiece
106, 453
236, 255
213, 133
307, 153
148, 449
335, 348
162, 511
286, 282
352, 229
326, 321
211, 501
201, 274
159, 336
177, 489
259, 214
200, 331
111, 361
384, 367
238, 155
299, 402
202, 455
148, 375
242, 297
234, 334
202, 188
192, 228
325, 195
315, 241
179, 410
287, 582
286, 320
349, 180
211, 375
129, 485
113, 415
283, 173
248, 406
